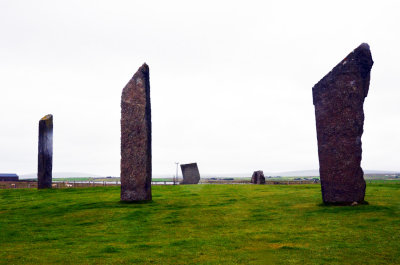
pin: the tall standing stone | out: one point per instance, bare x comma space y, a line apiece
339, 99
136, 138
45, 153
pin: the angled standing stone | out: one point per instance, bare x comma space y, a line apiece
190, 173
339, 99
45, 154
136, 138
258, 177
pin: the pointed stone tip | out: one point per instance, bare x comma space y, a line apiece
144, 67
47, 117
363, 59
363, 46
363, 49
142, 70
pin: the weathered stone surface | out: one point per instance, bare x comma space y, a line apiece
136, 138
339, 99
45, 152
190, 173
258, 177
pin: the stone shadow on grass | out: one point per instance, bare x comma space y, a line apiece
350, 210
136, 202
330, 204
322, 208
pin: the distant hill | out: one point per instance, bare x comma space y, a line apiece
315, 172
63, 175
300, 173
297, 173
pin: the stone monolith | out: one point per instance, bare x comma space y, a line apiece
339, 99
136, 138
45, 152
258, 177
190, 173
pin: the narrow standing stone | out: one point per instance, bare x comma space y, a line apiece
45, 154
258, 177
190, 173
339, 99
136, 138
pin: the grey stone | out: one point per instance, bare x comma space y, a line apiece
339, 99
258, 177
136, 161
190, 173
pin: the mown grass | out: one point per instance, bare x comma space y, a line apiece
199, 224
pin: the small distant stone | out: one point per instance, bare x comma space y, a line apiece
258, 177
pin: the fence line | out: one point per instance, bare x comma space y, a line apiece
68, 184
74, 184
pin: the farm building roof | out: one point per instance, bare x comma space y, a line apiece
8, 175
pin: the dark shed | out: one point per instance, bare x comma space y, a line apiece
8, 177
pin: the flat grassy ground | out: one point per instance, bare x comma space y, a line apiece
209, 224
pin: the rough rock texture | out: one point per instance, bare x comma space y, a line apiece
45, 152
258, 177
338, 99
136, 138
190, 173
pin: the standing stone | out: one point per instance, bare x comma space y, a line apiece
339, 99
136, 138
258, 177
45, 154
190, 173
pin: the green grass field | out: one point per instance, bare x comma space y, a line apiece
199, 224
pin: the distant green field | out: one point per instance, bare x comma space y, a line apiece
383, 181
198, 224
103, 179
72, 179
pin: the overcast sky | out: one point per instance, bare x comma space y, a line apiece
231, 81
